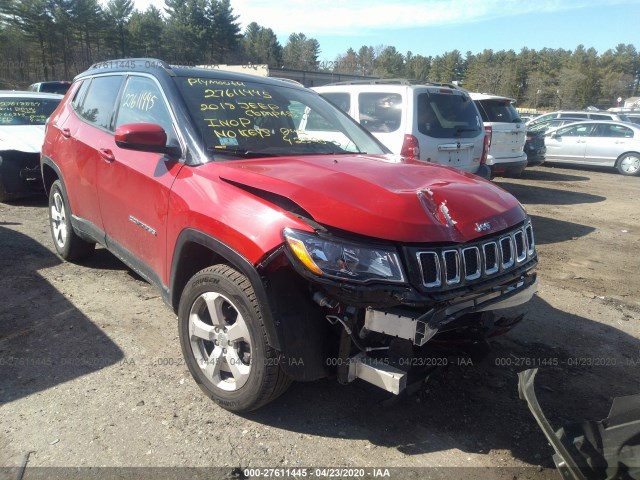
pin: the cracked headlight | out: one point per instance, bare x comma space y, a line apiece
343, 259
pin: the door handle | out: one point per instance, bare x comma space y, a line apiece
107, 155
66, 133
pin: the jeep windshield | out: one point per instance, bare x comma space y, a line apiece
238, 119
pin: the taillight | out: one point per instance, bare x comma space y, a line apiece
486, 145
410, 147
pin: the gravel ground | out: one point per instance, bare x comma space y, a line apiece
91, 373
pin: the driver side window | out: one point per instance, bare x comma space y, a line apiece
142, 102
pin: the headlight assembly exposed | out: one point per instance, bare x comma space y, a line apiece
343, 259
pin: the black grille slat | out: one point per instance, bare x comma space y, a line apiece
471, 257
452, 266
530, 240
430, 267
521, 251
491, 258
506, 252
467, 264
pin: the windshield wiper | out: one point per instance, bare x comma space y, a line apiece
239, 152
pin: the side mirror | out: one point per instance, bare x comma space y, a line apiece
145, 137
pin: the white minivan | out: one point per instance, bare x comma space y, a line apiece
430, 122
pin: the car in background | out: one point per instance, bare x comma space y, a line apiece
55, 86
633, 117
22, 119
596, 142
507, 133
535, 148
551, 123
580, 115
431, 122
529, 117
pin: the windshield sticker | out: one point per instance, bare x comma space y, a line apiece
227, 142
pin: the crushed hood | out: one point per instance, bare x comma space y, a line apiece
22, 138
382, 196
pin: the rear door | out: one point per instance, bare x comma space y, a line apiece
449, 128
87, 132
508, 133
606, 142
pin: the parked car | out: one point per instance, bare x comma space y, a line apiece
58, 86
288, 253
580, 115
22, 119
507, 133
430, 122
633, 117
535, 148
598, 142
551, 123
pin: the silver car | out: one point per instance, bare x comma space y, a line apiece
604, 143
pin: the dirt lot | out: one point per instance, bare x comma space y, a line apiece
91, 371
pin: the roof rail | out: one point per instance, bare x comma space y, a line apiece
395, 81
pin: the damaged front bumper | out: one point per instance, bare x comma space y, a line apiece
592, 450
420, 328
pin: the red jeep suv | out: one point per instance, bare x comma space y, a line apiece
290, 242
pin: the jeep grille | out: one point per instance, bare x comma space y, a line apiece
472, 263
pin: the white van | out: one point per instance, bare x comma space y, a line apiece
508, 133
430, 122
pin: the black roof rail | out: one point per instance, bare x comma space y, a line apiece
395, 81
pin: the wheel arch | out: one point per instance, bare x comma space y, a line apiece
195, 250
622, 155
50, 173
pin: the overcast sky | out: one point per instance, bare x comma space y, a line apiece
432, 27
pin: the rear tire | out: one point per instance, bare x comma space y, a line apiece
224, 342
68, 244
629, 164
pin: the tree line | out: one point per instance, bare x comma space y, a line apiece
57, 39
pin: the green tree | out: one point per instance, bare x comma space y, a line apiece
118, 14
301, 52
261, 45
223, 32
389, 64
145, 28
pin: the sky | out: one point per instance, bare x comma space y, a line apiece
433, 27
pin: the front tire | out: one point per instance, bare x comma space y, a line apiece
68, 244
224, 342
629, 164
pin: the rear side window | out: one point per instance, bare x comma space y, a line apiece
340, 100
612, 130
97, 107
635, 120
574, 115
442, 115
595, 116
380, 111
498, 111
